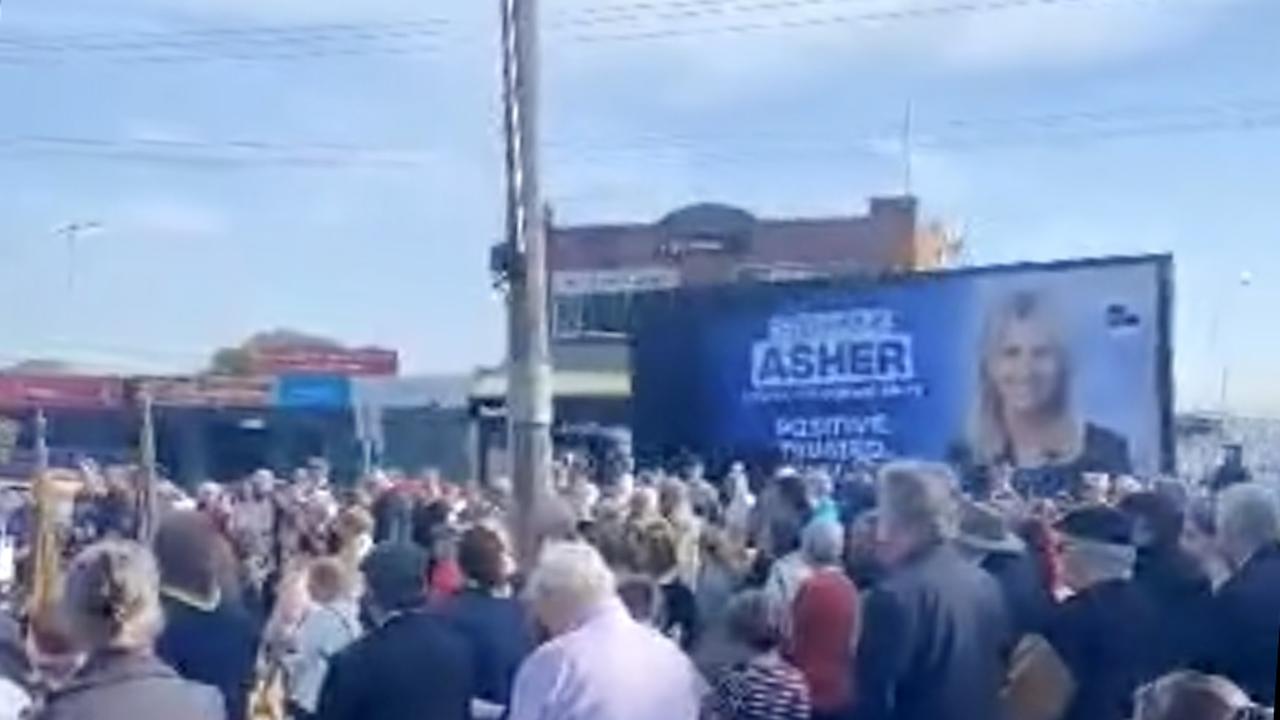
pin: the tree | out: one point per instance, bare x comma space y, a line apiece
239, 360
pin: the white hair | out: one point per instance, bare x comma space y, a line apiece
823, 542
919, 497
1248, 518
572, 573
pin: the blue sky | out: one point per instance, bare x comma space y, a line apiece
797, 119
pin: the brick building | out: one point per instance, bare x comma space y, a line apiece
596, 269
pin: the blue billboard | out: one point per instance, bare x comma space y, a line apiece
313, 391
1033, 366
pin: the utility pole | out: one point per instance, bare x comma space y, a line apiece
529, 405
148, 475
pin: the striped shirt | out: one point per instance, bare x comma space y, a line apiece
763, 688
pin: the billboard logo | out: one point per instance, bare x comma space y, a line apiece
832, 348
1121, 318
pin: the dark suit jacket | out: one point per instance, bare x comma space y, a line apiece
415, 667
500, 635
120, 686
1246, 626
1026, 594
935, 642
216, 647
1111, 638
1183, 597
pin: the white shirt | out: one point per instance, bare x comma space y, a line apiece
323, 633
14, 701
609, 668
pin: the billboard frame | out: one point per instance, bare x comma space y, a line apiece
696, 300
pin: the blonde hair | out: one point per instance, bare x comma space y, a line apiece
988, 436
111, 599
329, 580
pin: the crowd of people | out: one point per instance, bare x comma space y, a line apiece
903, 595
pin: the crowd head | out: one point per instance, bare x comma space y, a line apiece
1248, 519
111, 598
917, 508
568, 582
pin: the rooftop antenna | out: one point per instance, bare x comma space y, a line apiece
906, 148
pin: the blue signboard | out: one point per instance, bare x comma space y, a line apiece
313, 391
1026, 366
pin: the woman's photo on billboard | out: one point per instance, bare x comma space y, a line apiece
1024, 412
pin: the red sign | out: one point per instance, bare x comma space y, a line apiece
209, 391
60, 391
321, 361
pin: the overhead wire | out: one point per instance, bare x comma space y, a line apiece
232, 153
632, 22
952, 128
685, 9
877, 17
250, 43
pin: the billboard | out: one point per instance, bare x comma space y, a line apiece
313, 391
210, 391
1063, 365
323, 361
60, 391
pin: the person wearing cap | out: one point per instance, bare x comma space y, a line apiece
1106, 639
985, 537
413, 665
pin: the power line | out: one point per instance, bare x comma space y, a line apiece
110, 40
226, 153
1040, 136
413, 37
956, 133
247, 44
970, 7
682, 9
1044, 123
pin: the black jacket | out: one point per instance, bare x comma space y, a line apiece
935, 644
415, 667
1246, 626
1111, 637
1182, 594
121, 686
1026, 594
217, 647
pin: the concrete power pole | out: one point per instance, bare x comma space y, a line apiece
529, 405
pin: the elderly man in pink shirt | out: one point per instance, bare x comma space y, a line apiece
601, 664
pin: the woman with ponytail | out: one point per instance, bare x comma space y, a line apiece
111, 605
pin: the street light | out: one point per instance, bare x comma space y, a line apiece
71, 233
1226, 303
